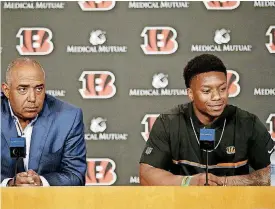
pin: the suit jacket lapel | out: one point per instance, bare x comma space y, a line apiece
8, 130
39, 137
7, 124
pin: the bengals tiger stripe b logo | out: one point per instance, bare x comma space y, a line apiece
221, 5
271, 33
34, 41
96, 5
100, 171
233, 85
97, 85
159, 40
271, 121
148, 122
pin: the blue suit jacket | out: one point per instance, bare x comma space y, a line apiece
57, 150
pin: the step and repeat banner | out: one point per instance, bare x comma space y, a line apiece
122, 63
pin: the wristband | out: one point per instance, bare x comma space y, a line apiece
225, 181
186, 181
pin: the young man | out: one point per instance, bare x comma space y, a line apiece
172, 155
53, 131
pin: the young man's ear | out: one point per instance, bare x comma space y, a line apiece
6, 90
190, 94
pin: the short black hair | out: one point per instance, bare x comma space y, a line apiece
202, 64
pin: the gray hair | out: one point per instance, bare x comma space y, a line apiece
21, 60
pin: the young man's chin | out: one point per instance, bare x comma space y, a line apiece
215, 114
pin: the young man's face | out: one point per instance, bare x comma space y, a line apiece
209, 93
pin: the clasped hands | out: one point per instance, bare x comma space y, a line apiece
29, 178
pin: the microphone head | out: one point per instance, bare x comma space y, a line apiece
18, 147
207, 138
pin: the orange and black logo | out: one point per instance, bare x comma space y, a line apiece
233, 85
34, 41
159, 40
271, 33
100, 171
96, 5
271, 121
97, 85
221, 5
230, 150
148, 122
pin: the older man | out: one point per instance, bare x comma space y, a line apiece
53, 130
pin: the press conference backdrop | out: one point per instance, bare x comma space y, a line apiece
122, 63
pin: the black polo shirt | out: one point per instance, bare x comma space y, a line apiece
172, 144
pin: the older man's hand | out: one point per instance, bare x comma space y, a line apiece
29, 178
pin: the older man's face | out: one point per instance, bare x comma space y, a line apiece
26, 90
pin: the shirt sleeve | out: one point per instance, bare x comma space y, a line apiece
157, 151
5, 182
260, 146
45, 183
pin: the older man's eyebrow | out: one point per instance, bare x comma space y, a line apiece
27, 85
23, 85
39, 85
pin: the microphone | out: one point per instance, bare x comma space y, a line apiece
207, 140
17, 151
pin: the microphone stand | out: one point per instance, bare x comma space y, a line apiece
206, 182
16, 165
